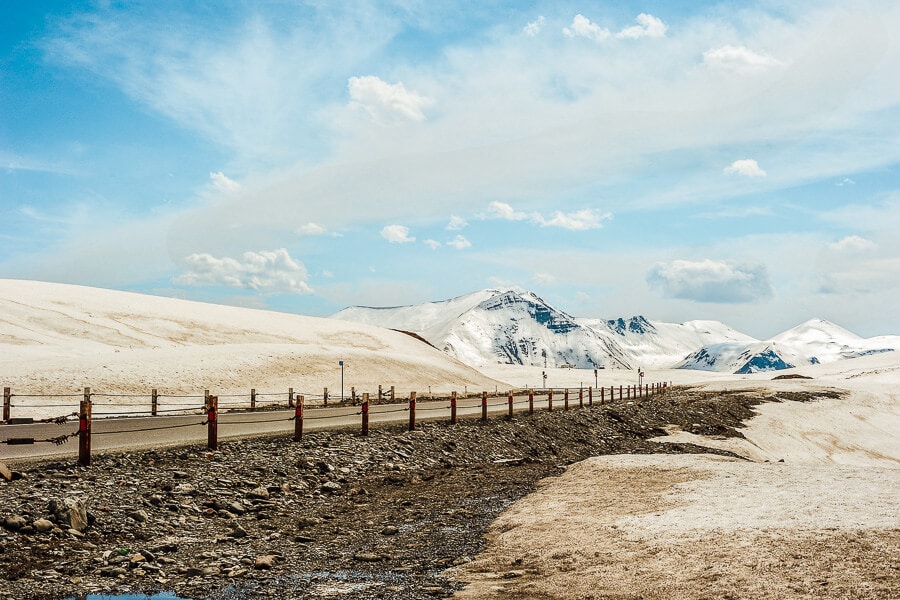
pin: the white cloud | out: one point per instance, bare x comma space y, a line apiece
312, 229
534, 27
711, 281
460, 243
397, 234
456, 223
738, 58
386, 102
582, 27
224, 184
648, 26
544, 279
852, 243
433, 244
267, 271
746, 167
502, 210
845, 181
576, 221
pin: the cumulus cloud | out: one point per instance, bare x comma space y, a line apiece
312, 229
647, 26
267, 271
223, 183
397, 234
502, 210
460, 243
457, 223
737, 58
433, 244
580, 220
533, 28
852, 243
583, 27
746, 167
386, 102
711, 281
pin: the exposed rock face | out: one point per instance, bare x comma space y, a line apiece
70, 513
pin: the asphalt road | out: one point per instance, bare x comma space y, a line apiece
116, 434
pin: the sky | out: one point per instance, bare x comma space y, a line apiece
731, 161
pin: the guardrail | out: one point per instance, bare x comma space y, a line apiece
212, 405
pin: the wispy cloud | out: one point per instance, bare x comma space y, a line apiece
852, 243
457, 223
460, 243
534, 27
711, 281
267, 271
580, 220
738, 58
312, 229
222, 183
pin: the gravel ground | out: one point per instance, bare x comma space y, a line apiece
335, 515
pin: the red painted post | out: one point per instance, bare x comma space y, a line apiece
212, 422
510, 403
453, 408
253, 399
412, 411
484, 406
646, 389
365, 414
581, 397
7, 403
531, 401
550, 400
298, 419
84, 430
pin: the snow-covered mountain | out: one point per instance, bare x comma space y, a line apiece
509, 326
514, 326
813, 342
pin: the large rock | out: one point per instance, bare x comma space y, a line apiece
71, 513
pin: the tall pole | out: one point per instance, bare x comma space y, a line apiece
340, 362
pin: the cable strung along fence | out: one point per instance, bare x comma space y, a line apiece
212, 406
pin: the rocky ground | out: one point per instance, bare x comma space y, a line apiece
335, 515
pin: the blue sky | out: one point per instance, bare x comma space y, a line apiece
735, 161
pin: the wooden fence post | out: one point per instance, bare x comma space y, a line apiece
646, 389
412, 411
325, 397
380, 393
154, 402
590, 396
566, 398
620, 392
602, 394
365, 414
393, 397
84, 430
550, 400
453, 408
353, 395
509, 401
212, 422
484, 406
531, 401
298, 419
7, 403
253, 399
581, 397
290, 397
